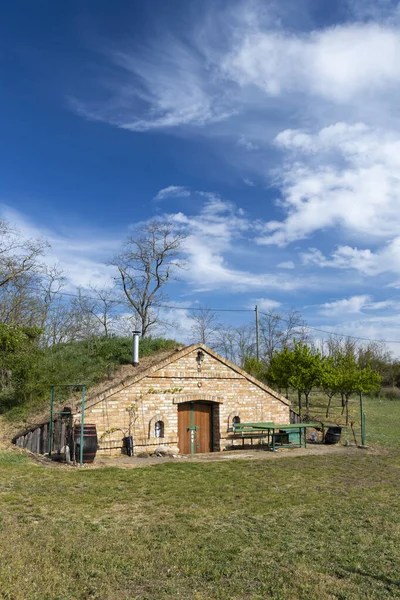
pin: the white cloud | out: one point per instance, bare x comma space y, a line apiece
266, 304
346, 305
213, 235
345, 175
385, 260
288, 264
79, 253
356, 305
237, 62
337, 63
172, 191
247, 144
164, 85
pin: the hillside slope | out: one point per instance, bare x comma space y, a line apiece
96, 363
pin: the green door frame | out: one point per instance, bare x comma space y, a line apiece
192, 429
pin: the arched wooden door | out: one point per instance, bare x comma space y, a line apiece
195, 427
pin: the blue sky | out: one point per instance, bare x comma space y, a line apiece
268, 131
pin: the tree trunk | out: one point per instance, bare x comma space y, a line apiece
299, 396
329, 405
343, 402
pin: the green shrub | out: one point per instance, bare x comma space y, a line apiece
387, 393
88, 362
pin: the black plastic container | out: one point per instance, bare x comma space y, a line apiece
128, 443
332, 435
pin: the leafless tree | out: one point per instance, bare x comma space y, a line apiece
19, 301
236, 343
18, 256
51, 283
104, 308
146, 263
205, 326
226, 343
59, 325
279, 330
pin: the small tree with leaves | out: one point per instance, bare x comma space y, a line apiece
308, 367
281, 369
329, 381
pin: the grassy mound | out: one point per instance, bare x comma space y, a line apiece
87, 362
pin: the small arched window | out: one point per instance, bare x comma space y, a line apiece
235, 420
159, 429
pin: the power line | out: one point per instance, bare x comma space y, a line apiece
210, 309
345, 335
251, 310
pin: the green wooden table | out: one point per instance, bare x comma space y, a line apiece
269, 430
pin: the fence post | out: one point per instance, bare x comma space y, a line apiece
362, 416
82, 426
51, 419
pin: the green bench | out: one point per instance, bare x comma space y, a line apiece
252, 431
292, 435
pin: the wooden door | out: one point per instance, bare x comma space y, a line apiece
199, 416
183, 427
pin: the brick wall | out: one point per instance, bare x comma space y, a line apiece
157, 396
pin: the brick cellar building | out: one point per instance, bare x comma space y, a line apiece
188, 398
193, 387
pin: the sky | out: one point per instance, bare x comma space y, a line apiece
269, 132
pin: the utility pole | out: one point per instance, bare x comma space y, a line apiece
257, 335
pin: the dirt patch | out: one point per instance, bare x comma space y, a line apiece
133, 462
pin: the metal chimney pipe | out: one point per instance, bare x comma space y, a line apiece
135, 348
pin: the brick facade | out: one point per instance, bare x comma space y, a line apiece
156, 393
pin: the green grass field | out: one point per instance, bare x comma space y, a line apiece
296, 528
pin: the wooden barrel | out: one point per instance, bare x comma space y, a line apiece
89, 442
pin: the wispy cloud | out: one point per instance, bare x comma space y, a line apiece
172, 191
267, 304
79, 253
344, 306
356, 305
384, 260
350, 180
213, 237
288, 264
213, 73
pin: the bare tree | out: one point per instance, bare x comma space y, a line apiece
279, 330
145, 265
205, 326
50, 285
237, 343
103, 307
59, 325
18, 255
20, 301
226, 343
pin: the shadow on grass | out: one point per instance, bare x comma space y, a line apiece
381, 578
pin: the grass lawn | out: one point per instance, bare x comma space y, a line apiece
297, 528
382, 417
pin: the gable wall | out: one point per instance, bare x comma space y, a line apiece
158, 395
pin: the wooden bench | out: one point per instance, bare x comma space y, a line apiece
252, 431
282, 437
